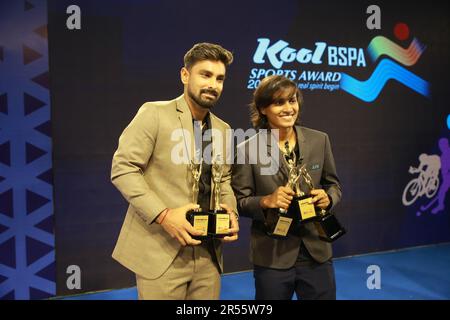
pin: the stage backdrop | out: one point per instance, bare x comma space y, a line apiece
27, 253
381, 95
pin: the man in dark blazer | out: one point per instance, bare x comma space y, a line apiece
300, 262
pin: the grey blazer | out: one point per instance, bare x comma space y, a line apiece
249, 186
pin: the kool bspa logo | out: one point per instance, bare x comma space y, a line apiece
392, 63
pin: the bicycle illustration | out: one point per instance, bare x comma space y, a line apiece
427, 183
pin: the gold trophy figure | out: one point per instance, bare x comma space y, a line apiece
278, 222
198, 218
219, 218
196, 171
301, 205
326, 223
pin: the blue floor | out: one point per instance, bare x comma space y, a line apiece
420, 273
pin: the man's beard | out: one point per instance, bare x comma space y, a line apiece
204, 103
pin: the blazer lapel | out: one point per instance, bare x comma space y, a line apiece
185, 120
275, 155
215, 153
303, 147
218, 142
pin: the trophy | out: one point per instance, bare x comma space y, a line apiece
219, 219
278, 223
301, 206
326, 223
198, 218
212, 223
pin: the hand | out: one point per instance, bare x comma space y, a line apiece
176, 224
280, 198
320, 198
234, 229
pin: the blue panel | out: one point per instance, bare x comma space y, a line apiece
5, 153
4, 103
27, 256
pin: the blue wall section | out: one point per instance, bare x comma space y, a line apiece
27, 255
130, 51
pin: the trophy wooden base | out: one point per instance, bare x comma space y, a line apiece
213, 223
329, 227
302, 210
278, 224
200, 221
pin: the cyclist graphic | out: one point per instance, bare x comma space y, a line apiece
445, 172
426, 183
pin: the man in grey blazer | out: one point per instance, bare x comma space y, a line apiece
151, 168
301, 262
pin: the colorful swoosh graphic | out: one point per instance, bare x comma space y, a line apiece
386, 70
383, 46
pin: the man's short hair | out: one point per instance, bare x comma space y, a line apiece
207, 51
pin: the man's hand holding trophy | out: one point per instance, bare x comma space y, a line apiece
219, 222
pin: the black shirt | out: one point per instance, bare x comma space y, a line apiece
290, 157
204, 193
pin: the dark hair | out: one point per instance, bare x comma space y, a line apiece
266, 94
207, 51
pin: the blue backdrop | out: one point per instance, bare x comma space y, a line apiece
27, 255
381, 95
